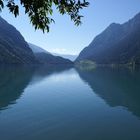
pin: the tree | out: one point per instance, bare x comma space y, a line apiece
40, 11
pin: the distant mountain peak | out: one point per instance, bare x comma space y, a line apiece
44, 57
37, 49
114, 24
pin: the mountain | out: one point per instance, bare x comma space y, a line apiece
37, 49
13, 48
118, 44
45, 57
67, 56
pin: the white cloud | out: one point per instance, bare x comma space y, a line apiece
61, 51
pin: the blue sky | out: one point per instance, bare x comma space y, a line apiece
64, 37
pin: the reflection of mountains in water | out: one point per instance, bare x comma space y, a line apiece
118, 87
48, 70
15, 79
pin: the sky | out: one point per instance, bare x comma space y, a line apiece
66, 38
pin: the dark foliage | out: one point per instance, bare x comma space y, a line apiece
40, 11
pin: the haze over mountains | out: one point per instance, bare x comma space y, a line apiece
36, 49
44, 57
67, 56
118, 44
15, 50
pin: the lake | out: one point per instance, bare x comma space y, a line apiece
49, 103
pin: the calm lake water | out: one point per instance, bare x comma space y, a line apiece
69, 104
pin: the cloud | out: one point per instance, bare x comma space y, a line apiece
61, 51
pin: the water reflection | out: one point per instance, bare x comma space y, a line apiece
14, 80
118, 87
42, 72
57, 104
